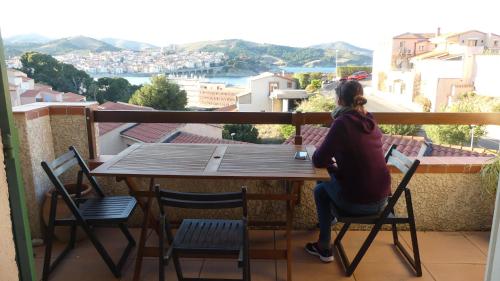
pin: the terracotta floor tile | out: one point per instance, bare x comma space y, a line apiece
261, 239
457, 272
81, 269
479, 238
223, 269
261, 270
382, 248
446, 247
190, 268
370, 271
313, 270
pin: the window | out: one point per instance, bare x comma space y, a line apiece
273, 86
289, 84
495, 43
402, 44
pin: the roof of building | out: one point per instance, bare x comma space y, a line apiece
183, 137
109, 105
42, 86
72, 97
289, 94
412, 146
31, 93
229, 108
151, 132
269, 74
107, 127
412, 35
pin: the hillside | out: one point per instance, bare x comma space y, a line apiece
343, 46
239, 50
128, 44
61, 46
26, 38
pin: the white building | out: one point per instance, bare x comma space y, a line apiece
258, 98
460, 62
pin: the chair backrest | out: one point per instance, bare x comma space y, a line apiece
405, 166
64, 163
191, 200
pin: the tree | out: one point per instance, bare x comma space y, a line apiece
458, 134
314, 86
400, 129
242, 132
114, 89
317, 103
303, 78
160, 94
61, 76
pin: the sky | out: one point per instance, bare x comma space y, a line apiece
364, 23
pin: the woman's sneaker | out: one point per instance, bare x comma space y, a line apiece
324, 255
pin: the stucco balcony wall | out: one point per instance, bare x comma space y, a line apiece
447, 195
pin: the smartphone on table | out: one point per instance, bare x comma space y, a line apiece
301, 155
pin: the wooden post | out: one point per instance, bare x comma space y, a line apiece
91, 136
297, 121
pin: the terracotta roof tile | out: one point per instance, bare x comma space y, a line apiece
183, 137
229, 108
72, 97
106, 127
408, 145
151, 132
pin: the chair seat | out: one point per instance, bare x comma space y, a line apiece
344, 217
108, 209
209, 235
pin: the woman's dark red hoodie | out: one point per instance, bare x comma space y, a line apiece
355, 142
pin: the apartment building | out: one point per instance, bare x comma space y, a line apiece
259, 98
438, 67
217, 95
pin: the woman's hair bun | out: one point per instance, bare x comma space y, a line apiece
359, 100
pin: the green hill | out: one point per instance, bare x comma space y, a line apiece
60, 46
128, 44
242, 50
343, 46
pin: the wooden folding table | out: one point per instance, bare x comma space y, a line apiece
215, 161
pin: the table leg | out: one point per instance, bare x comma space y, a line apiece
292, 189
145, 202
142, 240
142, 200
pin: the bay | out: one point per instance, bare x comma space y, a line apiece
236, 81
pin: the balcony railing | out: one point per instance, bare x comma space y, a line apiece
297, 119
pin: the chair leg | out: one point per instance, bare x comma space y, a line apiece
101, 250
413, 234
362, 251
128, 249
161, 240
177, 265
394, 230
337, 244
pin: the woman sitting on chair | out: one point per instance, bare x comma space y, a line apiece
352, 152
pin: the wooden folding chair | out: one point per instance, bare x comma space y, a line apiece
387, 216
204, 237
87, 213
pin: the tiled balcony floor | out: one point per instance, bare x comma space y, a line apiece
452, 256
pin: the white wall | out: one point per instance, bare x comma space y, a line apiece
487, 80
431, 71
203, 130
260, 93
112, 143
